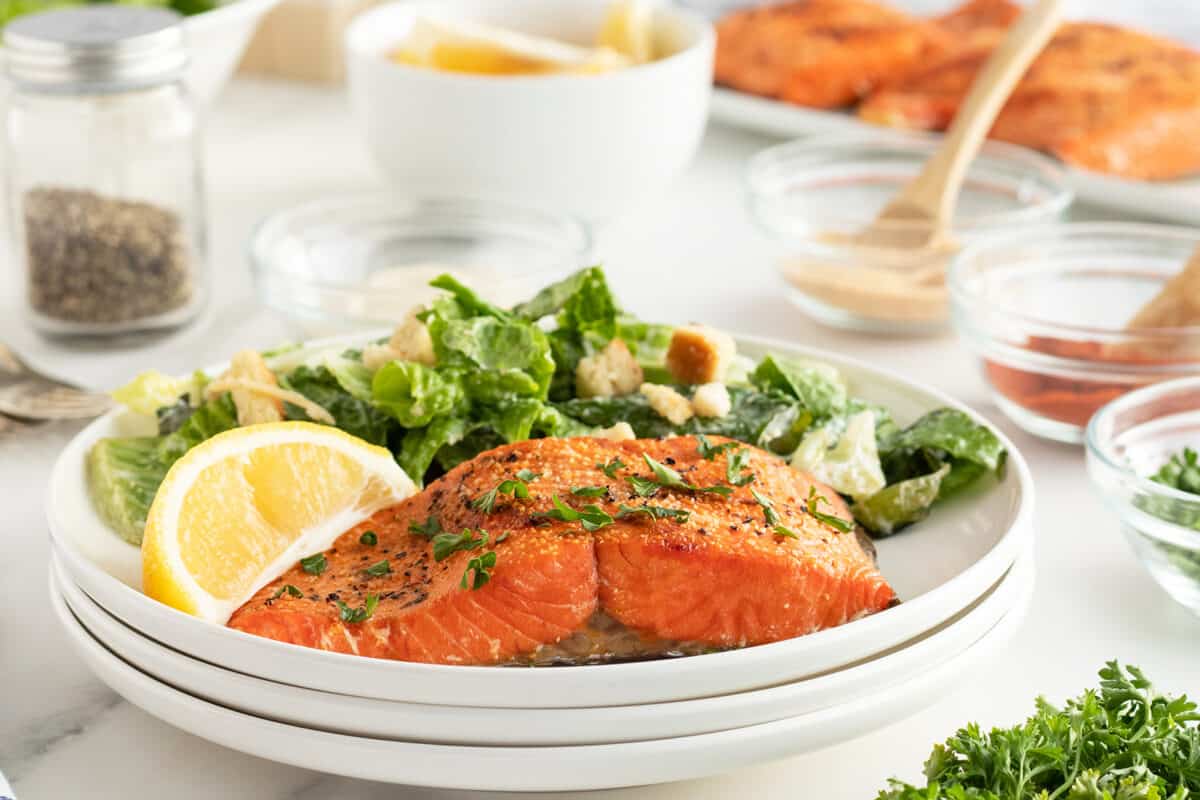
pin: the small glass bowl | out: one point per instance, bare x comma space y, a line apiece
812, 194
1127, 441
363, 261
1046, 310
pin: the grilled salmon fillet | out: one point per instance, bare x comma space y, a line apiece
819, 53
722, 578
1100, 97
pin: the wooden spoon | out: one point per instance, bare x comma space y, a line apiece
920, 215
1177, 304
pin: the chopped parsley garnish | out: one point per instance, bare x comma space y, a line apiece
815, 498
379, 569
447, 544
430, 529
667, 478
589, 491
360, 614
735, 466
768, 507
291, 591
709, 450
610, 469
369, 538
780, 530
481, 566
592, 517
502, 537
1182, 472
314, 565
653, 512
518, 487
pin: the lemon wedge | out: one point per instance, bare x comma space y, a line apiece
472, 47
629, 29
242, 507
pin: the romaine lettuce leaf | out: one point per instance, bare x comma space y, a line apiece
818, 387
950, 431
419, 446
152, 390
354, 416
472, 304
900, 504
487, 344
848, 461
414, 394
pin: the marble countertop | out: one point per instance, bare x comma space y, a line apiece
690, 254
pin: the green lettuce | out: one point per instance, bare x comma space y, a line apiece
900, 504
414, 394
355, 416
818, 387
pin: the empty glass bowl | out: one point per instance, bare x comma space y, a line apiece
1046, 311
814, 195
1129, 440
363, 261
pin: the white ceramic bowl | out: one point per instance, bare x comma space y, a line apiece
938, 568
532, 727
217, 40
573, 768
587, 144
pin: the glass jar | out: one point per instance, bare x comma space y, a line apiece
103, 171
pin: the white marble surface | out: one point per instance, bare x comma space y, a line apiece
690, 254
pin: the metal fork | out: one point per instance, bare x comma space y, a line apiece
28, 394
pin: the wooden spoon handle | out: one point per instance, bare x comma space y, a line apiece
1177, 304
936, 189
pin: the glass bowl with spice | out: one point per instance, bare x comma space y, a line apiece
1142, 452
1054, 315
814, 195
364, 260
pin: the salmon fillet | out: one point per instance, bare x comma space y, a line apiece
819, 53
722, 578
1100, 97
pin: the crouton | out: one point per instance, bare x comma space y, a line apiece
609, 372
699, 354
621, 432
711, 400
411, 340
668, 403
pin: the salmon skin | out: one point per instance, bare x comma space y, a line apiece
723, 578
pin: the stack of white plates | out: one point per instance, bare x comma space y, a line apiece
964, 574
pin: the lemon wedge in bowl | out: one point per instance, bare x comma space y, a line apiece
241, 508
628, 28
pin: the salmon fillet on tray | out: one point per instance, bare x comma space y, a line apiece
1102, 98
553, 483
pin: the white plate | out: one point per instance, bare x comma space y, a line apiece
538, 726
938, 568
536, 768
1177, 200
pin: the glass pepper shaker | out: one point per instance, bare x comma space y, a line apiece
103, 171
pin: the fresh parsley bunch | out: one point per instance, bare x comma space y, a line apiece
1123, 742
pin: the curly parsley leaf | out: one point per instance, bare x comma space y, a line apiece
610, 469
481, 567
667, 478
360, 614
735, 468
429, 529
379, 569
768, 507
518, 487
710, 451
653, 512
1124, 741
447, 544
314, 565
288, 589
815, 499
369, 538
591, 517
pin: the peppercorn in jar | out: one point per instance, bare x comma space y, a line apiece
104, 174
